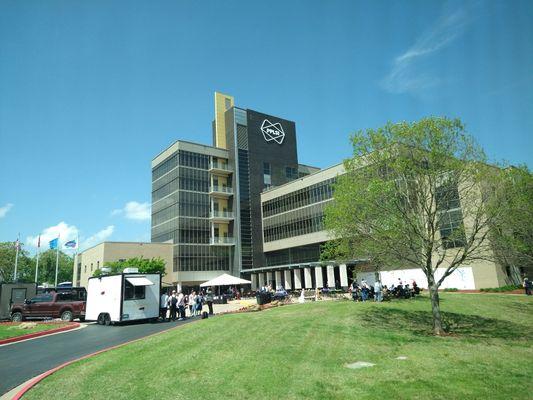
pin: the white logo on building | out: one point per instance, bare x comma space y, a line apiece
272, 131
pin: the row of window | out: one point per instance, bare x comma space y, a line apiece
299, 198
452, 229
190, 204
183, 158
201, 258
451, 225
294, 255
303, 226
180, 224
187, 179
245, 213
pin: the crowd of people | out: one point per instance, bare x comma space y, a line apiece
379, 292
176, 305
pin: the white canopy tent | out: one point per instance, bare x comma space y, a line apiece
225, 280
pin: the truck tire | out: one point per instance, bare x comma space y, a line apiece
67, 316
100, 320
107, 320
17, 317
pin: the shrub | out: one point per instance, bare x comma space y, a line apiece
506, 288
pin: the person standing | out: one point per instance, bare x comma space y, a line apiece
198, 305
173, 305
181, 306
209, 299
378, 294
527, 286
163, 306
364, 291
192, 303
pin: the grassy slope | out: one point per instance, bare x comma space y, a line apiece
9, 331
298, 352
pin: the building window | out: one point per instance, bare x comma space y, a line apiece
97, 264
85, 268
227, 103
291, 173
267, 174
450, 216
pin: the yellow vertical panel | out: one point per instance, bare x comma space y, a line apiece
220, 120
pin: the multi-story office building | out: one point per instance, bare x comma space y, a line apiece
206, 199
245, 206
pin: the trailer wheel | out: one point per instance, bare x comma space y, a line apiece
107, 320
67, 316
16, 317
101, 319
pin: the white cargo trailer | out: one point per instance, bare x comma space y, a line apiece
123, 297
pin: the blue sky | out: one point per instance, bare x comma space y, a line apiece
91, 91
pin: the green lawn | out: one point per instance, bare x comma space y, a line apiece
12, 330
299, 352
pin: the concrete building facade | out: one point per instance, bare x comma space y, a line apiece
96, 257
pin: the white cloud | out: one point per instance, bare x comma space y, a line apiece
98, 237
134, 210
65, 231
5, 209
404, 75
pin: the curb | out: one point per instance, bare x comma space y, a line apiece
39, 378
37, 334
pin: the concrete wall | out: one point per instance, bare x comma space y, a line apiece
97, 256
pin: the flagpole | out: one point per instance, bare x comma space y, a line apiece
57, 260
16, 258
75, 257
37, 264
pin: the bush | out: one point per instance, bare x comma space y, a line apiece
452, 289
506, 288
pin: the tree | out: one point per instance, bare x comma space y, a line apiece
513, 233
25, 267
416, 194
47, 267
145, 266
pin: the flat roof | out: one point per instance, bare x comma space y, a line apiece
188, 146
116, 242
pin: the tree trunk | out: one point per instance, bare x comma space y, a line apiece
435, 308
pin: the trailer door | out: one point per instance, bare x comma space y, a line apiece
134, 298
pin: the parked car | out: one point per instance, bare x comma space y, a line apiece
67, 305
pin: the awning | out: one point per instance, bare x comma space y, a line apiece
139, 281
225, 280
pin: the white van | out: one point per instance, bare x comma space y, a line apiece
129, 296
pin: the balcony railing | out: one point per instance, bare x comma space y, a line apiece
218, 166
221, 189
220, 240
221, 215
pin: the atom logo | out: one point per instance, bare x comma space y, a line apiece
272, 132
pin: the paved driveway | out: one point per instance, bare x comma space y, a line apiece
22, 361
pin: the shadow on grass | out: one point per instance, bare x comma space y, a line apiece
421, 322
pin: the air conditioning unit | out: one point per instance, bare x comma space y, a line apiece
131, 270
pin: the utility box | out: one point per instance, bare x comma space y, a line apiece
14, 293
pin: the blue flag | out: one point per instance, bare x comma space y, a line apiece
53, 243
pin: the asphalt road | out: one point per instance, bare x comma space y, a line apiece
25, 360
